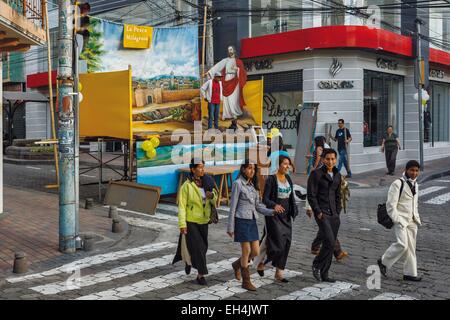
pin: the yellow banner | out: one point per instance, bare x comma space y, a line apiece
106, 107
137, 37
253, 111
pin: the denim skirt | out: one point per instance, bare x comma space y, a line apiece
245, 230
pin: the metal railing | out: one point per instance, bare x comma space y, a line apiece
31, 9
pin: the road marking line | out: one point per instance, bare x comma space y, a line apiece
174, 208
443, 198
159, 282
393, 296
105, 276
232, 287
321, 291
158, 215
86, 175
444, 181
95, 260
429, 190
34, 168
149, 224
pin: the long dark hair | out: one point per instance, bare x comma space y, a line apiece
244, 166
207, 181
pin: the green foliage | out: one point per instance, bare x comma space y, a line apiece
41, 149
178, 114
92, 50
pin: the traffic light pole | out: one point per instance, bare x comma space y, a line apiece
421, 77
66, 133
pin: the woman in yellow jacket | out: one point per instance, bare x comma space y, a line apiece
196, 199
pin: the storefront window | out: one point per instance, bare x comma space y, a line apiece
436, 114
280, 111
283, 95
383, 103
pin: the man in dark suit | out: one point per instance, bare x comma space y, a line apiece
324, 197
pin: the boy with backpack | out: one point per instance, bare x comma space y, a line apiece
402, 208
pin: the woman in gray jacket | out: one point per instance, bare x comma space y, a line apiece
245, 204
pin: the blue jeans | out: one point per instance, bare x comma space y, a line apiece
343, 161
213, 113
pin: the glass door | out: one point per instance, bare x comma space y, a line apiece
439, 112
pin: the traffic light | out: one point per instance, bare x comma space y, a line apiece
82, 20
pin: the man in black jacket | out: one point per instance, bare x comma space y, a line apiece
324, 197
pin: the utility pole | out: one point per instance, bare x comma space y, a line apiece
209, 37
66, 133
421, 82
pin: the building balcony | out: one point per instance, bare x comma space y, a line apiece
21, 25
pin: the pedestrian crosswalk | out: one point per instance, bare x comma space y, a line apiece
146, 271
435, 195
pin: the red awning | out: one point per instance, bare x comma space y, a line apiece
40, 79
333, 37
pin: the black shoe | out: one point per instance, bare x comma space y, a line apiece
284, 280
187, 269
202, 281
383, 268
412, 278
326, 279
260, 272
316, 273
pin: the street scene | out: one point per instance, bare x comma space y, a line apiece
226, 151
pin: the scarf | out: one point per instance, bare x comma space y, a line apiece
411, 183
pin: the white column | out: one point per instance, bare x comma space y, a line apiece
1, 138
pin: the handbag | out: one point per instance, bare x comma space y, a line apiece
214, 217
382, 215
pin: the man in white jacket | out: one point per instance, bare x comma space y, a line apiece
212, 92
402, 207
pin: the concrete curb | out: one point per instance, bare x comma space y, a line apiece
27, 161
434, 175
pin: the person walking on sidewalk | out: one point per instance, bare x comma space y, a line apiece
324, 196
402, 208
343, 138
245, 204
277, 237
390, 146
212, 92
196, 198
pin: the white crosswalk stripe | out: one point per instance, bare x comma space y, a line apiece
393, 296
321, 291
109, 275
155, 283
161, 216
96, 260
231, 287
429, 190
443, 198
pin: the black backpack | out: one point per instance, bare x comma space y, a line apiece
382, 215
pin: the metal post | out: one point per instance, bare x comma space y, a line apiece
76, 104
420, 75
66, 132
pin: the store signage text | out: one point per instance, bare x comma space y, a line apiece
387, 64
336, 84
287, 117
258, 64
436, 74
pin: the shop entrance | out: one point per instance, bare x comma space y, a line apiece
383, 94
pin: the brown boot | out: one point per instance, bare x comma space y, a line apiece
246, 284
237, 269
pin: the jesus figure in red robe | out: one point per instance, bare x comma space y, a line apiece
234, 77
